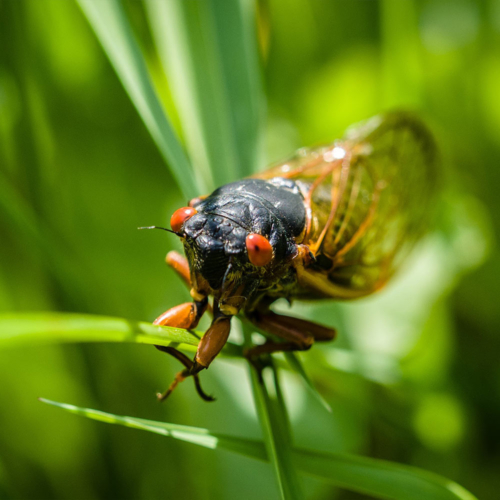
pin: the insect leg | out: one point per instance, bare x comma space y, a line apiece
182, 375
299, 334
180, 265
210, 345
319, 332
213, 341
186, 316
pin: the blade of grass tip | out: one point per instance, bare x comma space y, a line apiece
296, 366
110, 23
276, 432
29, 328
379, 478
209, 54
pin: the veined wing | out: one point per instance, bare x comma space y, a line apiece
369, 198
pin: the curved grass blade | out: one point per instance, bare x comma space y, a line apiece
378, 478
196, 435
27, 328
209, 51
110, 23
296, 365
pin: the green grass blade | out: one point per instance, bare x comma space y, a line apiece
208, 49
296, 365
196, 435
109, 21
49, 327
378, 478
275, 433
275, 428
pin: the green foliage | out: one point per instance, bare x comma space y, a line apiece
113, 29
296, 365
376, 477
208, 50
410, 378
33, 328
276, 430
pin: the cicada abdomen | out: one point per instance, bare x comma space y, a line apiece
368, 199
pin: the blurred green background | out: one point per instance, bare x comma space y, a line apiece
414, 376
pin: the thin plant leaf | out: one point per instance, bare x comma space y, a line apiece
110, 23
275, 429
209, 51
296, 365
196, 435
49, 327
378, 478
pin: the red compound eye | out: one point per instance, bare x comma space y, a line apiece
260, 251
180, 216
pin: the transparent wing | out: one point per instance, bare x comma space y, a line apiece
369, 198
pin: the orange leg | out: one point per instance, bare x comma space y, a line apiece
182, 375
187, 316
299, 334
208, 348
180, 265
213, 341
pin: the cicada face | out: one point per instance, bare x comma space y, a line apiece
240, 239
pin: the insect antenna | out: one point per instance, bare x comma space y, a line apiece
163, 228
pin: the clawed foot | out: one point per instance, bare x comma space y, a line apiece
192, 370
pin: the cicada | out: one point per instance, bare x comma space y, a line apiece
331, 222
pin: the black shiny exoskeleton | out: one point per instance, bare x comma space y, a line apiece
331, 222
216, 234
